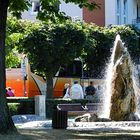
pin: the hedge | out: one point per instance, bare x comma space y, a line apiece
52, 103
19, 106
27, 106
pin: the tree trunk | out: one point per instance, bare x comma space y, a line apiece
49, 85
6, 123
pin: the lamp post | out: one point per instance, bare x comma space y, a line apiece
82, 71
82, 68
24, 73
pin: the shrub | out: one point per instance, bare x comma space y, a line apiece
21, 106
26, 106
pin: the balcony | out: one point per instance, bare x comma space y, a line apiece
136, 22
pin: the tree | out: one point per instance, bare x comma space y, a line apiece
15, 31
16, 7
52, 46
98, 53
5, 119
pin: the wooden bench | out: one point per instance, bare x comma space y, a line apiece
60, 115
78, 109
72, 109
94, 107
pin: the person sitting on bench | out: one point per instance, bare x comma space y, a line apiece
67, 91
90, 91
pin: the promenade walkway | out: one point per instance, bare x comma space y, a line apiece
32, 127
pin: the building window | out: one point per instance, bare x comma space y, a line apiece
35, 6
118, 19
125, 11
138, 11
125, 7
118, 6
118, 12
125, 20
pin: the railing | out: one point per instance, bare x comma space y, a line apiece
136, 22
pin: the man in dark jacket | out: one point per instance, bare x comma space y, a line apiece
90, 91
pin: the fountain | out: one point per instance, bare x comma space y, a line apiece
120, 88
120, 97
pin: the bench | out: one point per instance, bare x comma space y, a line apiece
78, 109
94, 107
60, 115
72, 109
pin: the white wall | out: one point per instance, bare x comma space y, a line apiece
111, 7
110, 17
131, 11
28, 15
71, 10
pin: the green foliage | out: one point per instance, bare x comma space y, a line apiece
13, 107
18, 6
84, 3
88, 41
14, 33
16, 30
12, 60
98, 52
50, 9
54, 45
15, 7
98, 56
21, 106
26, 106
131, 39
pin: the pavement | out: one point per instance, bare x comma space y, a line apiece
31, 122
33, 127
37, 122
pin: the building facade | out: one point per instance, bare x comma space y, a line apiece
121, 12
116, 12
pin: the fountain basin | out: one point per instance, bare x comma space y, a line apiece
106, 126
